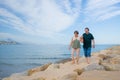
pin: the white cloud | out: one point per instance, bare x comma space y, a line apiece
48, 18
41, 16
99, 10
107, 15
13, 20
71, 7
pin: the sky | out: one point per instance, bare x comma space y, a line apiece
54, 21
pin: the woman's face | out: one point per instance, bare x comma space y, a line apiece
75, 34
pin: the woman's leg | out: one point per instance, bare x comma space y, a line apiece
72, 55
77, 55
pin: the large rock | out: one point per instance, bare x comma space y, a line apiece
115, 60
6, 79
41, 78
71, 76
64, 60
94, 66
56, 66
108, 67
103, 56
111, 60
42, 68
100, 75
79, 71
115, 50
111, 63
111, 67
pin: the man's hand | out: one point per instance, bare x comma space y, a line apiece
93, 43
93, 46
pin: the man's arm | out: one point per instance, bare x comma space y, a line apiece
93, 43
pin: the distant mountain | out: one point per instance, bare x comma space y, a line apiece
8, 42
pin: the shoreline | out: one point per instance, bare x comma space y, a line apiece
63, 70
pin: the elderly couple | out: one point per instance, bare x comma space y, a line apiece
88, 41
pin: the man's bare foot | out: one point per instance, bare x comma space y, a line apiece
88, 62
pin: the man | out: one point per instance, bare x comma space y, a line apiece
88, 42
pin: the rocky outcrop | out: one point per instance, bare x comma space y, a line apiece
94, 66
100, 75
42, 68
115, 60
104, 65
41, 78
64, 60
111, 59
56, 66
79, 71
71, 76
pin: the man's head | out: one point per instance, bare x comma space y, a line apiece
86, 30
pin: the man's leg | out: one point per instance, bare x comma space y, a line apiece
88, 55
85, 52
88, 60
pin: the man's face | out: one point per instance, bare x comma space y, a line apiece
86, 31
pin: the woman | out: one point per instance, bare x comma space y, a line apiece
75, 44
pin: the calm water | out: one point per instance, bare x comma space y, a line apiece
18, 58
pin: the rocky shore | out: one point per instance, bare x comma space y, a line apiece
105, 65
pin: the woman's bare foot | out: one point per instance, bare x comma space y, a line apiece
77, 60
73, 62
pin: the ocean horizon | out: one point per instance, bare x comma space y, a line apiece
19, 58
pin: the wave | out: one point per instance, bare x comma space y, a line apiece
22, 64
33, 64
37, 58
8, 64
66, 54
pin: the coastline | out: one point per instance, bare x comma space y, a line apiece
103, 62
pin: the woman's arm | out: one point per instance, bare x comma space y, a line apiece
70, 43
81, 39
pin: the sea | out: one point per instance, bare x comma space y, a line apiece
22, 57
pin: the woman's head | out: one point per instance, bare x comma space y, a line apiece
76, 33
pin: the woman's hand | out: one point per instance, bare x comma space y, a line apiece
69, 47
81, 39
